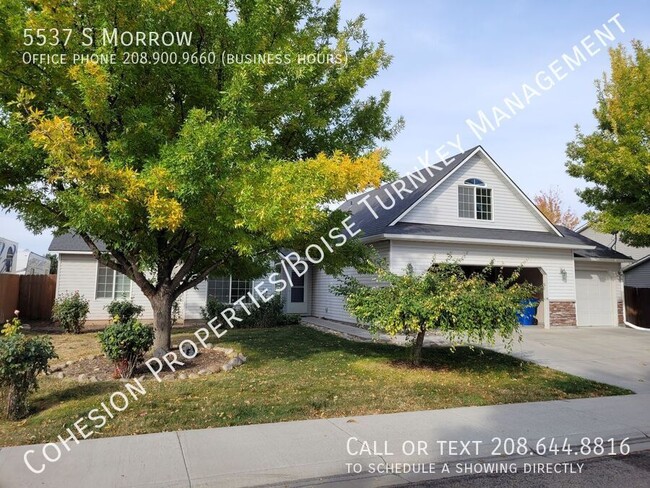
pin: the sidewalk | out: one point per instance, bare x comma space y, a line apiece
314, 452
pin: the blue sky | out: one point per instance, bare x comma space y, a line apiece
454, 58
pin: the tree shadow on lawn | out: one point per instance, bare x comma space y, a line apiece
299, 342
465, 359
74, 392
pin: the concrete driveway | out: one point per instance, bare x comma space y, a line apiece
617, 356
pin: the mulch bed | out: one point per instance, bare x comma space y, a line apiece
98, 368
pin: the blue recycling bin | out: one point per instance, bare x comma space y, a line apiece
527, 314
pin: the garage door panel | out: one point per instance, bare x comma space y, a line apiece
596, 299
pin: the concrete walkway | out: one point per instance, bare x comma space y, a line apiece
315, 452
616, 356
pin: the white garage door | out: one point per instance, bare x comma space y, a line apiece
596, 299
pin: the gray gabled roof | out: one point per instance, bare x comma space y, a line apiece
72, 243
600, 251
363, 217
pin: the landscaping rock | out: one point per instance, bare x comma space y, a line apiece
168, 377
226, 367
81, 378
203, 372
209, 345
236, 361
193, 376
60, 376
242, 357
93, 379
182, 376
56, 367
68, 363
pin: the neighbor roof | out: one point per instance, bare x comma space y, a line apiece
637, 263
600, 251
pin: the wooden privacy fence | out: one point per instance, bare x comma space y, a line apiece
9, 288
33, 295
637, 306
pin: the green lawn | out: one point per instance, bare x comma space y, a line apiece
295, 373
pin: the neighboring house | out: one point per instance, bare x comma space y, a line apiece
636, 273
7, 255
30, 263
468, 209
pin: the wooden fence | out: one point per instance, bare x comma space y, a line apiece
637, 306
33, 295
9, 288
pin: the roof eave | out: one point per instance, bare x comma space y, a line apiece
460, 240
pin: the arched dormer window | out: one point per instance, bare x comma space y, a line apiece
474, 200
475, 182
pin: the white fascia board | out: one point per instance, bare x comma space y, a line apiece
458, 240
602, 260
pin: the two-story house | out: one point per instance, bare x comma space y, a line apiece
466, 207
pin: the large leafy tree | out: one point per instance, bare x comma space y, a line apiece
478, 307
183, 170
615, 158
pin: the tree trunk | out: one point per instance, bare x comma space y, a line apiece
162, 322
417, 347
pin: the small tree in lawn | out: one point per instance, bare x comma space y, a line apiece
463, 308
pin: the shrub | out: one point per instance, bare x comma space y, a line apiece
176, 312
123, 310
71, 310
212, 308
22, 358
126, 344
268, 314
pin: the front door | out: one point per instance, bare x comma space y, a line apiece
298, 295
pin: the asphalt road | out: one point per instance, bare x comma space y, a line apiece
629, 471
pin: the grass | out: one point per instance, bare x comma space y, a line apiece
295, 373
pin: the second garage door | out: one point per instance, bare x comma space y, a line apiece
596, 299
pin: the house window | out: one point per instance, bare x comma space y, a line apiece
228, 290
298, 288
111, 284
474, 200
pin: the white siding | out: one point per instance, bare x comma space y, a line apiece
195, 298
509, 210
326, 304
79, 272
561, 286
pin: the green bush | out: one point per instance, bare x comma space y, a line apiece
71, 310
126, 344
123, 310
267, 315
212, 308
22, 358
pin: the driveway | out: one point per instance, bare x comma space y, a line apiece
617, 356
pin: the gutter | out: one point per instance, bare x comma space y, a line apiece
457, 240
